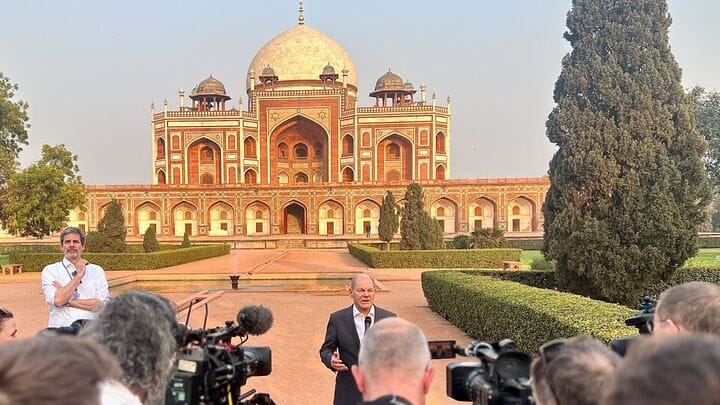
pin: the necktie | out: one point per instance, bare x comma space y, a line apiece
368, 322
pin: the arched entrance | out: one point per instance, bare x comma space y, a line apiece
297, 145
294, 219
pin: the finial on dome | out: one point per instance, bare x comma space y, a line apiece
301, 17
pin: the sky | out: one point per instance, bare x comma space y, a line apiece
90, 69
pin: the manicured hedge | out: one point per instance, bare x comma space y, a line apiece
127, 261
532, 278
434, 259
55, 248
525, 243
490, 309
707, 241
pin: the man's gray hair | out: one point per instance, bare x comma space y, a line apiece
72, 229
695, 306
139, 327
394, 345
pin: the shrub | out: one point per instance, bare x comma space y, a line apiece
150, 242
461, 242
111, 231
127, 261
186, 241
525, 243
490, 309
541, 264
433, 259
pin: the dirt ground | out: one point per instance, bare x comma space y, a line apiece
298, 376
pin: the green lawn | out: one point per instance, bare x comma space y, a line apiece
704, 258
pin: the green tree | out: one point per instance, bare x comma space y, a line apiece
488, 238
186, 241
38, 200
13, 128
707, 114
389, 221
150, 242
628, 187
111, 230
418, 229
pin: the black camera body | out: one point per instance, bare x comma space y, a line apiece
210, 369
643, 322
502, 376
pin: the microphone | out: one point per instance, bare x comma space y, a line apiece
255, 320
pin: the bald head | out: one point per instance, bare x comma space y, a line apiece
392, 346
360, 278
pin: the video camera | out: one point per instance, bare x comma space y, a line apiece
642, 321
211, 370
501, 377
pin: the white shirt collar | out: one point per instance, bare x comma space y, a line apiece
357, 312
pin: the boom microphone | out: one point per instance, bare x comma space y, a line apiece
254, 319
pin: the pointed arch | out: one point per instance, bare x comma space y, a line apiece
348, 175
331, 218
445, 211
185, 215
521, 215
203, 158
306, 139
367, 217
251, 176
348, 145
440, 172
482, 213
221, 219
161, 179
294, 218
160, 149
148, 215
250, 147
440, 141
257, 218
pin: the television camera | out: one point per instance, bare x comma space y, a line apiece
642, 321
502, 376
210, 369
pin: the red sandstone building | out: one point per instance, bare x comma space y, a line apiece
305, 158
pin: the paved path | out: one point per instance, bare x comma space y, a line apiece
298, 376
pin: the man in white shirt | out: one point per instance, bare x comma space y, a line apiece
74, 289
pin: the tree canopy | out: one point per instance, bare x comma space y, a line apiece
418, 229
111, 232
707, 114
389, 221
13, 128
628, 185
38, 199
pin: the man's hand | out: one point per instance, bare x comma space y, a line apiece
336, 363
80, 267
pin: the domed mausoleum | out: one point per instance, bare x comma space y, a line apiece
302, 162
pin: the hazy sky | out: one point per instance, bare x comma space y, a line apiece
90, 69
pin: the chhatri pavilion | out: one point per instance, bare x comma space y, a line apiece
304, 158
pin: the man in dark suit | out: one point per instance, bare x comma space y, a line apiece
345, 329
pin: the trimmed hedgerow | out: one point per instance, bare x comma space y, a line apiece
126, 261
490, 309
434, 259
525, 243
532, 278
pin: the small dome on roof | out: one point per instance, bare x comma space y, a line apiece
328, 70
408, 85
268, 71
389, 81
208, 87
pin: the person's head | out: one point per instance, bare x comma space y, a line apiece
72, 242
362, 291
572, 371
54, 370
394, 359
8, 327
693, 307
140, 329
668, 369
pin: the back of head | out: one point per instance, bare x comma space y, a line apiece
138, 328
394, 347
664, 370
54, 370
577, 373
695, 306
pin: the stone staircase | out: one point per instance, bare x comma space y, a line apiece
291, 244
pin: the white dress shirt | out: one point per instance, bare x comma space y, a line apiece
93, 285
359, 319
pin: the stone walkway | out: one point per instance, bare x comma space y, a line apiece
298, 376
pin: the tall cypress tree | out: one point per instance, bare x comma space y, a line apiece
418, 229
111, 229
389, 221
628, 187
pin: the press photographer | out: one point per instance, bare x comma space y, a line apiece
500, 377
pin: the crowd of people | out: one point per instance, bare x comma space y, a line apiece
126, 354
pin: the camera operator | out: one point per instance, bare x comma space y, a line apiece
572, 371
394, 364
139, 329
667, 370
693, 307
54, 370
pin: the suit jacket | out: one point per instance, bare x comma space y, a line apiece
342, 335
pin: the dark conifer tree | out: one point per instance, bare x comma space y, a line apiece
150, 242
111, 230
389, 221
186, 241
419, 231
628, 187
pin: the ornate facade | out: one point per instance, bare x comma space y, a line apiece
305, 158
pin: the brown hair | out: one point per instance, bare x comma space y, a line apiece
54, 370
695, 306
576, 374
671, 369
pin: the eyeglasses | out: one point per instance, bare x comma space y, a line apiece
549, 350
